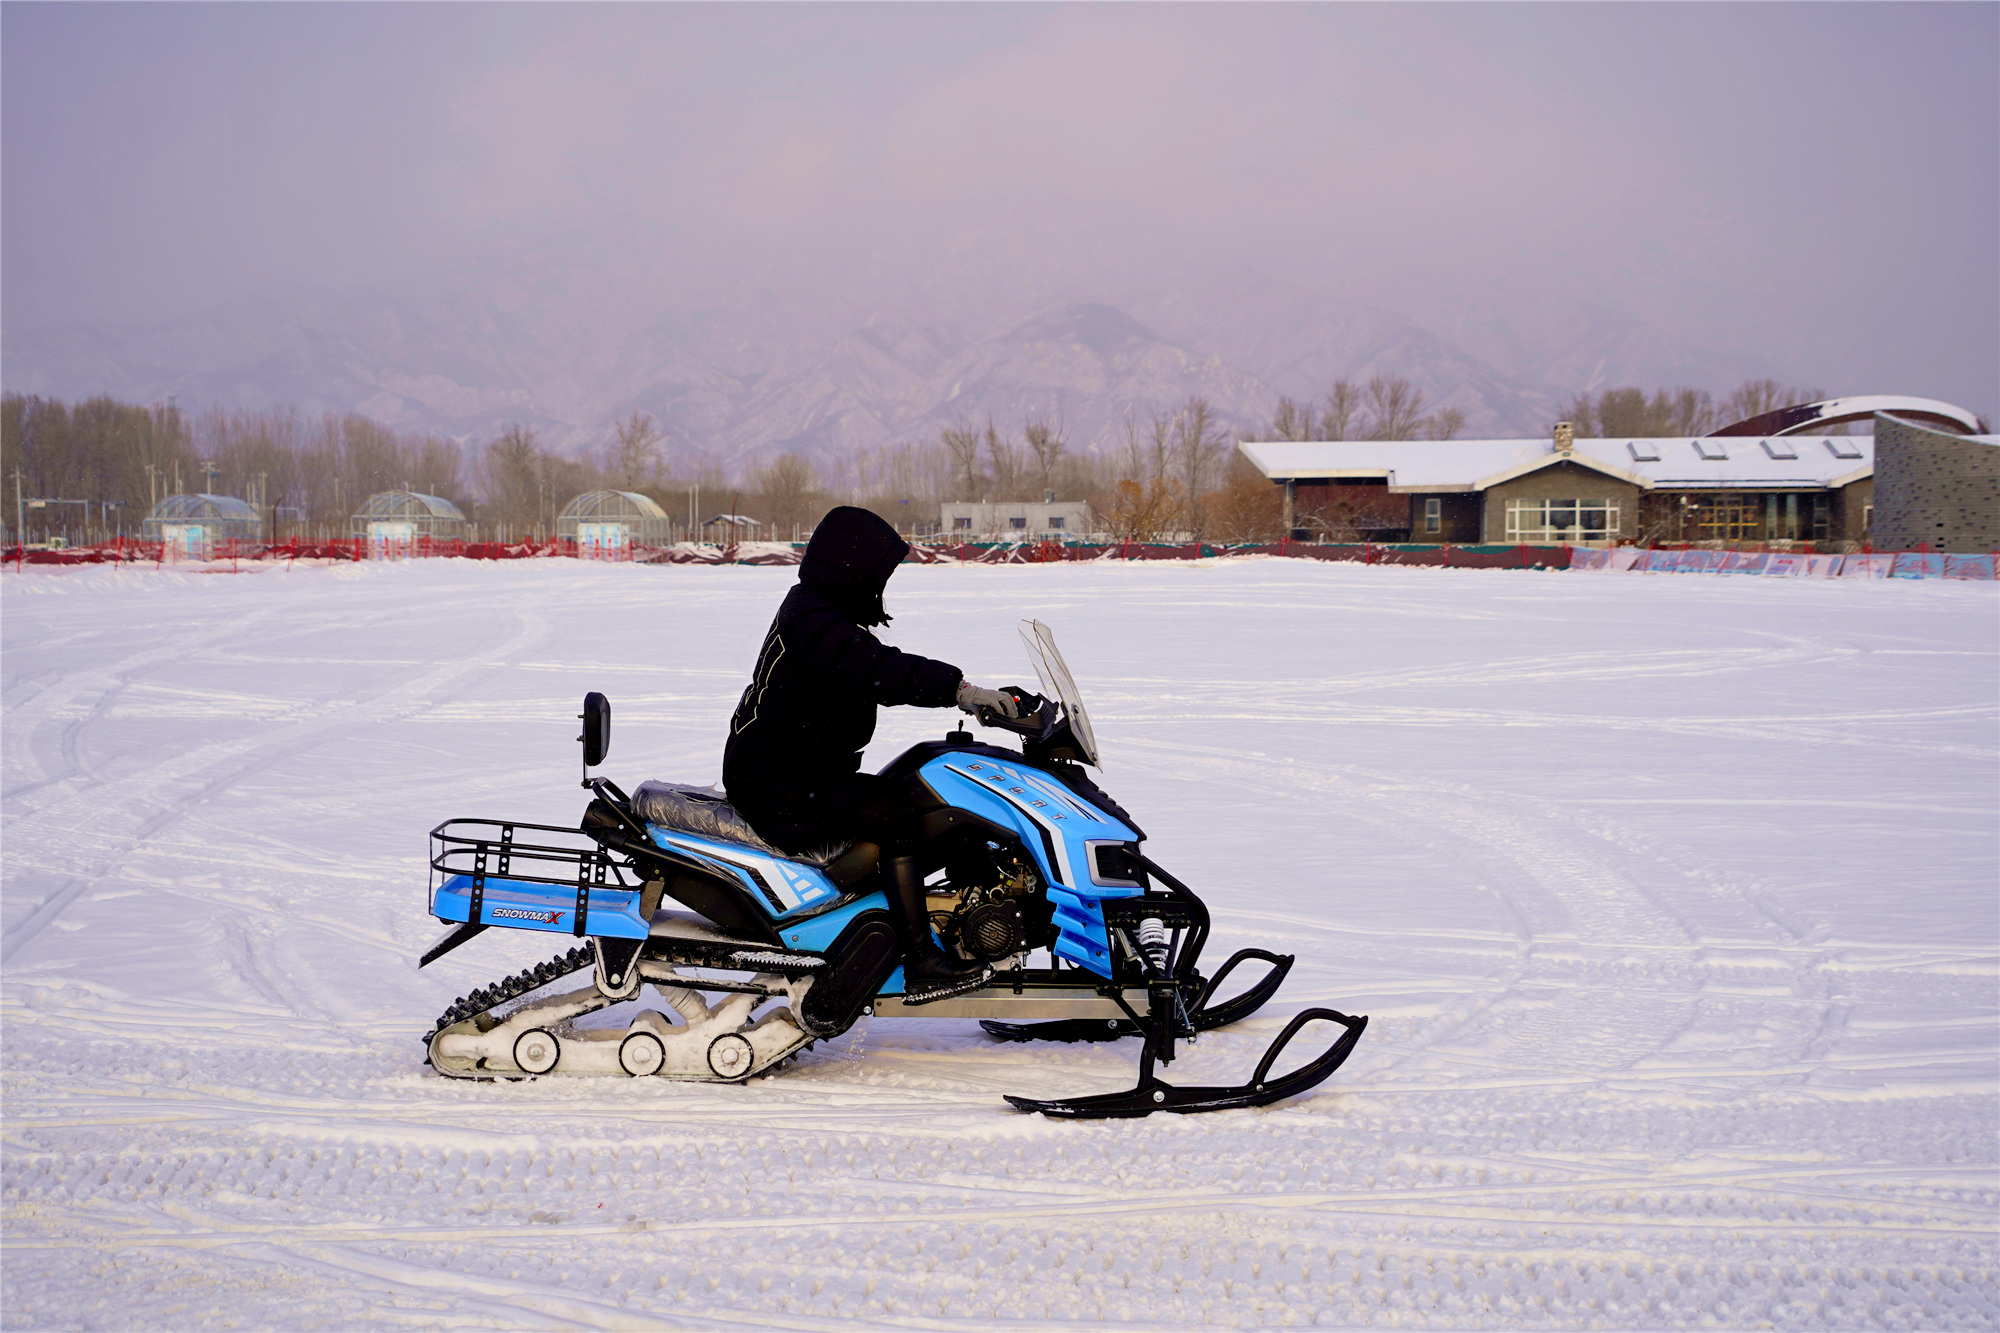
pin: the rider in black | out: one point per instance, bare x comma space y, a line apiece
792, 764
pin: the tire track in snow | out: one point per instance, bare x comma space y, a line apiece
80, 815
1540, 1008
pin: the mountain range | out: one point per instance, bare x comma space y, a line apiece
745, 371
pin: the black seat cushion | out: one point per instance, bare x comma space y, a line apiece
707, 813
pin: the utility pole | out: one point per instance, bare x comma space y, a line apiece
20, 535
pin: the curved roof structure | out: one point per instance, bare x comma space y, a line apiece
1834, 411
201, 507
612, 506
408, 505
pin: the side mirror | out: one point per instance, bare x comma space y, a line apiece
596, 736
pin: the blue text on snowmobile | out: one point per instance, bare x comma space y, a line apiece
1005, 853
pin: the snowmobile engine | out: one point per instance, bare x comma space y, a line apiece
993, 930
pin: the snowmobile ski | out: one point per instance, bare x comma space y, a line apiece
1153, 1094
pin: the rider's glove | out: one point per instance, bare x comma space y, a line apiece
972, 698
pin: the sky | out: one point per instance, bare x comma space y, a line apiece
1818, 184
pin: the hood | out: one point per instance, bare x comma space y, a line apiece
849, 560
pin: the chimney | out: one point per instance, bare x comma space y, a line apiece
1565, 437
1048, 497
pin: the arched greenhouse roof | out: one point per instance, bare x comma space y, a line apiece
612, 505
409, 505
213, 508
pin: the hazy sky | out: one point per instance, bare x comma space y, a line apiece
1816, 183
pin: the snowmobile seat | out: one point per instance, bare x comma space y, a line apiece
707, 813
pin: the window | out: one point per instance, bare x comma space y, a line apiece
1781, 518
1561, 521
1433, 514
1644, 451
1843, 448
1781, 449
1715, 451
1055, 522
1018, 524
961, 524
1730, 518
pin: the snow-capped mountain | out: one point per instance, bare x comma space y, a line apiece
748, 371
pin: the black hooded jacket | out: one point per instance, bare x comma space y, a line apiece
810, 707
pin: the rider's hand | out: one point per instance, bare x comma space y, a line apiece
972, 698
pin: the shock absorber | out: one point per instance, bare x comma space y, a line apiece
1156, 942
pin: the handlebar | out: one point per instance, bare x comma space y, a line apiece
1037, 720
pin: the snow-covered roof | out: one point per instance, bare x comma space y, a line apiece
1710, 462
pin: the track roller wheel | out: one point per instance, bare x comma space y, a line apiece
641, 1054
730, 1055
536, 1051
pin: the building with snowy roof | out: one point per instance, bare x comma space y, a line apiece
614, 520
188, 522
1722, 487
729, 528
401, 517
1589, 492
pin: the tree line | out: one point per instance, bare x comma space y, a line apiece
1630, 414
1175, 475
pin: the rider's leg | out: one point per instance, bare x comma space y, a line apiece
928, 972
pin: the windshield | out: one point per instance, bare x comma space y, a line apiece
1059, 684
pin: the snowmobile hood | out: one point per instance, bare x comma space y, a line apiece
849, 560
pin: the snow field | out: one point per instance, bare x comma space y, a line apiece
1671, 901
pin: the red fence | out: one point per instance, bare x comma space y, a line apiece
931, 551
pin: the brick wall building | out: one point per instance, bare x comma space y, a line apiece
1933, 488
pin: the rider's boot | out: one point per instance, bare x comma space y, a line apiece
928, 974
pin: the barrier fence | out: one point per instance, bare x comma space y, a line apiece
1768, 563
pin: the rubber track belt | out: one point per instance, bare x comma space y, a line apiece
512, 988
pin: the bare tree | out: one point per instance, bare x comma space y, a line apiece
1248, 508
787, 493
1692, 412
1343, 404
1008, 473
1581, 413
1144, 502
1197, 445
1046, 444
510, 475
1291, 422
1444, 424
1756, 397
1395, 407
637, 462
1629, 412
961, 444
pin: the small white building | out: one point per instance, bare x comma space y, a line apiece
1015, 520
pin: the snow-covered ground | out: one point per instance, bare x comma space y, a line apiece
1673, 900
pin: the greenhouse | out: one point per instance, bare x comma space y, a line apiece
399, 518
194, 523
614, 521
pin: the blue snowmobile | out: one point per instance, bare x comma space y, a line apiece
670, 888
